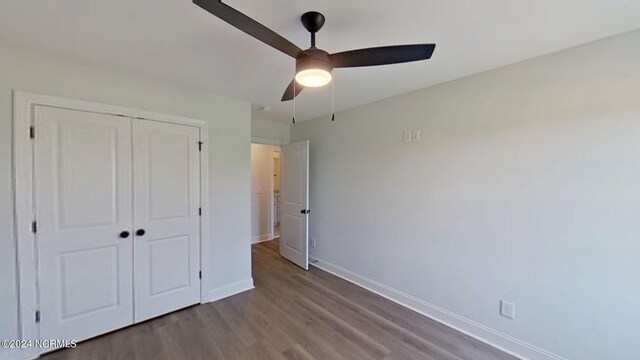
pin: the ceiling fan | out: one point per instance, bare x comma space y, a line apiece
314, 65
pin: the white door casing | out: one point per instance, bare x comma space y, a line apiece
166, 177
93, 259
294, 203
83, 202
32, 275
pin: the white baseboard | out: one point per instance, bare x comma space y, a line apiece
261, 238
499, 340
230, 290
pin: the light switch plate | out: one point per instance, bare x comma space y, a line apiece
406, 136
415, 135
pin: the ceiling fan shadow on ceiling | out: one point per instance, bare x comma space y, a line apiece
314, 66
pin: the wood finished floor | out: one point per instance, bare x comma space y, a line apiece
292, 314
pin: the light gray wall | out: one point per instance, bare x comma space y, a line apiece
271, 131
525, 186
230, 136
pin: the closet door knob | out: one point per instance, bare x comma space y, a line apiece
140, 232
124, 234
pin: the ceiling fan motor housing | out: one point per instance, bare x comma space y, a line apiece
312, 21
314, 59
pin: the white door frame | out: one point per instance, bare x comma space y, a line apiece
273, 192
23, 105
259, 141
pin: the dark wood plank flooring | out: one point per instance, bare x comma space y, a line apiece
292, 314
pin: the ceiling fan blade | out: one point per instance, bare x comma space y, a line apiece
249, 26
288, 94
382, 55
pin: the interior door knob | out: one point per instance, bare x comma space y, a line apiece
124, 234
140, 232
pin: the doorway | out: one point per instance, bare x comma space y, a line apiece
265, 192
280, 198
276, 195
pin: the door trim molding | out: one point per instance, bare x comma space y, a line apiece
23, 105
266, 141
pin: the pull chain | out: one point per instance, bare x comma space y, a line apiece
333, 99
294, 102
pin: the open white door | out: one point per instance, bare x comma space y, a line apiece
294, 203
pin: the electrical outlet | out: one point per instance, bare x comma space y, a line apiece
415, 135
313, 242
508, 309
406, 136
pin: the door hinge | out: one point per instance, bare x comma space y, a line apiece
199, 211
199, 274
34, 227
200, 145
32, 132
37, 316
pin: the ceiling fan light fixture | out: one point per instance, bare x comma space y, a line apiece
314, 70
313, 77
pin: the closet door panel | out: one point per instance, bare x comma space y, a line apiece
166, 217
83, 197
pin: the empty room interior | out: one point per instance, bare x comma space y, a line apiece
272, 180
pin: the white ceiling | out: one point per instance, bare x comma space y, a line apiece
176, 42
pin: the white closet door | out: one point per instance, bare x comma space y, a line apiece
166, 204
83, 204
